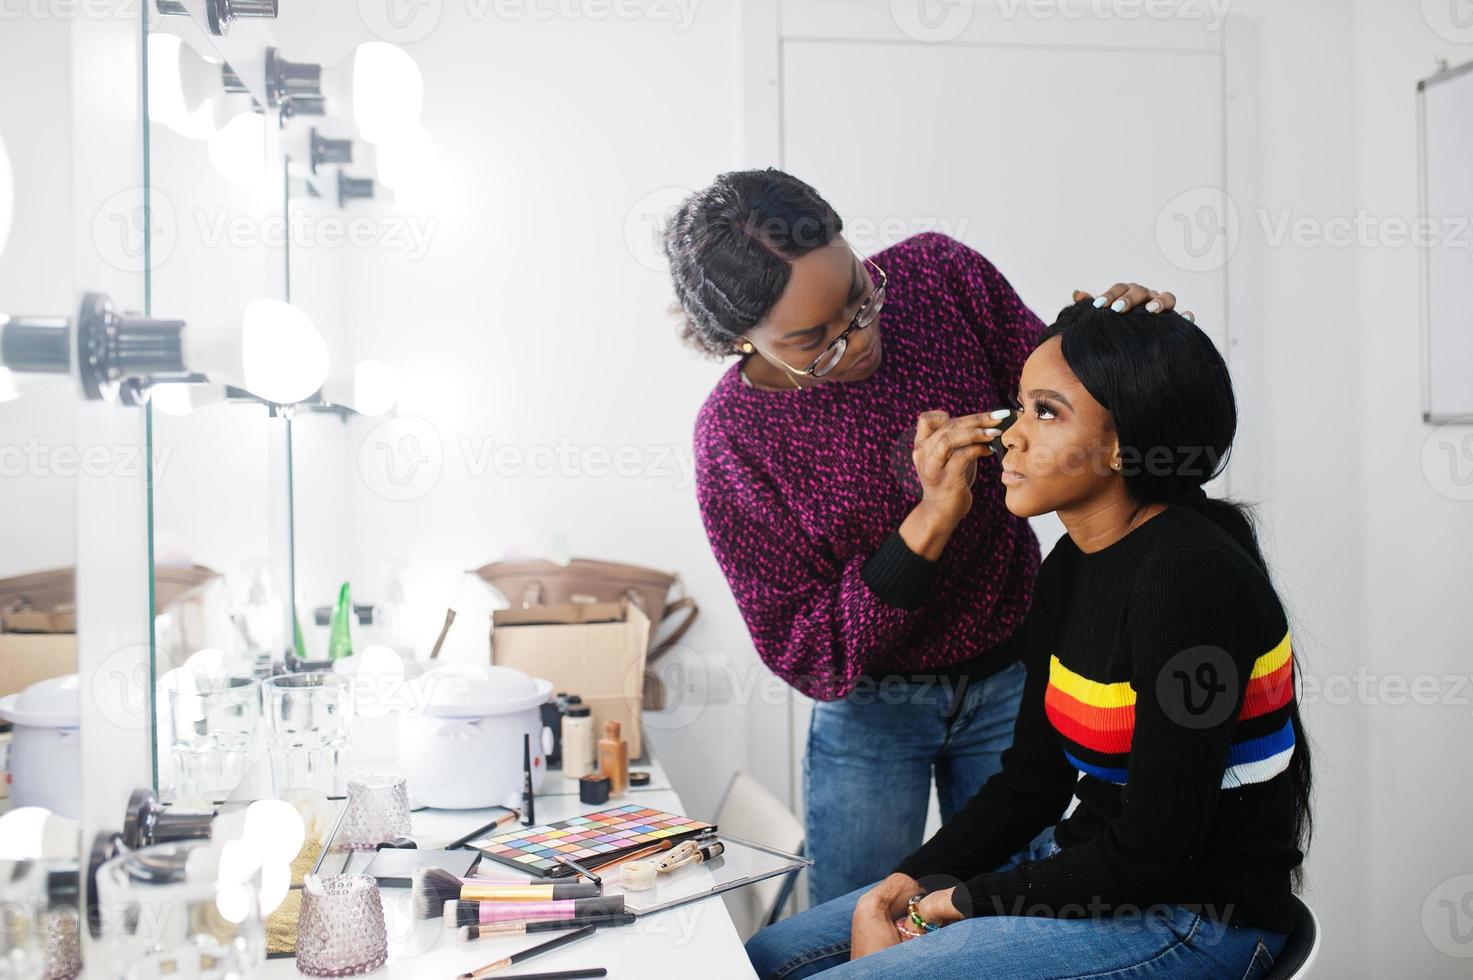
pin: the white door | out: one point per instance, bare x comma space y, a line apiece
1073, 155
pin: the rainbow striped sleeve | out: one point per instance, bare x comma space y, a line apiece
1096, 721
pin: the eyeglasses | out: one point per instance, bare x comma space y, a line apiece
864, 318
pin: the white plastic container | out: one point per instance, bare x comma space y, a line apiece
578, 754
46, 751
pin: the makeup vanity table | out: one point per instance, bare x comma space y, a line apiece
691, 940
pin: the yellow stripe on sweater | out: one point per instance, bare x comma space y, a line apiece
1273, 660
1093, 693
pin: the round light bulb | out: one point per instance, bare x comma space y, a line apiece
171, 399
238, 150
275, 828
283, 357
23, 833
370, 388
185, 91
239, 864
7, 196
388, 90
407, 158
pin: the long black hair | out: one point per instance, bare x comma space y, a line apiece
731, 249
1171, 403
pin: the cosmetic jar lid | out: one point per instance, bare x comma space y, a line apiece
638, 777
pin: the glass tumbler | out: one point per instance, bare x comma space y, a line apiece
378, 809
213, 720
186, 909
341, 930
309, 719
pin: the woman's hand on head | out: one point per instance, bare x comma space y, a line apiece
945, 455
873, 926
1127, 295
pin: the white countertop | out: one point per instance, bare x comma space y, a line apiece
689, 941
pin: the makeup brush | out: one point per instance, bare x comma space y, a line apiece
472, 933
472, 913
432, 888
527, 954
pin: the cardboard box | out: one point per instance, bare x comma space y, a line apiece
594, 650
26, 658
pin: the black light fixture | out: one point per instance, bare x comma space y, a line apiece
115, 351
291, 80
353, 188
36, 344
326, 150
220, 14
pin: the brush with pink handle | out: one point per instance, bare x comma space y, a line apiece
464, 913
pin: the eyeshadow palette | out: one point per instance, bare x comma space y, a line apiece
594, 838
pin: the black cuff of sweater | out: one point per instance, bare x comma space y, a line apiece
897, 575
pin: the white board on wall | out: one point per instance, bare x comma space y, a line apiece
1446, 111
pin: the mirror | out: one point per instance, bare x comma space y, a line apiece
221, 525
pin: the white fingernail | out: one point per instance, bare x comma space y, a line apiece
1118, 306
992, 432
1101, 301
1001, 413
1153, 306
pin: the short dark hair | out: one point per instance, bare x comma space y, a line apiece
731, 247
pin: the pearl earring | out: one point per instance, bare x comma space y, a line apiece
746, 347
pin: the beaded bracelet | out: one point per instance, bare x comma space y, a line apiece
904, 932
914, 908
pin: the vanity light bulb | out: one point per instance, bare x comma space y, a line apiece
185, 90
23, 833
407, 159
236, 878
388, 90
7, 196
275, 828
274, 352
238, 150
370, 388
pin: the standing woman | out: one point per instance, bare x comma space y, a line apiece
835, 467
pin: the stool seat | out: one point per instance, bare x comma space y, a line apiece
1301, 948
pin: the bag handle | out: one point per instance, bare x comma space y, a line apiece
686, 603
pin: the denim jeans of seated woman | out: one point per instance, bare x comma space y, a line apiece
870, 760
1166, 942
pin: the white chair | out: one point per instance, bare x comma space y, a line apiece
747, 810
1300, 949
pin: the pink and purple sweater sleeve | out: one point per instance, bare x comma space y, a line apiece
802, 518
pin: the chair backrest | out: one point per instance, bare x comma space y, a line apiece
1302, 948
749, 811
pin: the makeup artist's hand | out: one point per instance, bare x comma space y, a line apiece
945, 454
873, 926
1127, 295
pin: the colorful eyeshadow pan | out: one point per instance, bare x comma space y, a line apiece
593, 838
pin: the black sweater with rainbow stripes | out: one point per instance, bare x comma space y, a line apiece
1159, 693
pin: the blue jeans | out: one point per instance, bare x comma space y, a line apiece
869, 764
1170, 942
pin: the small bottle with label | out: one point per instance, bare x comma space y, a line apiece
613, 759
578, 755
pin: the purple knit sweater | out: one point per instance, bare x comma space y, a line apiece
798, 489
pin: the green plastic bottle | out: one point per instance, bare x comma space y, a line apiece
340, 641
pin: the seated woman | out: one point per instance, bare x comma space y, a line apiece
1160, 693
